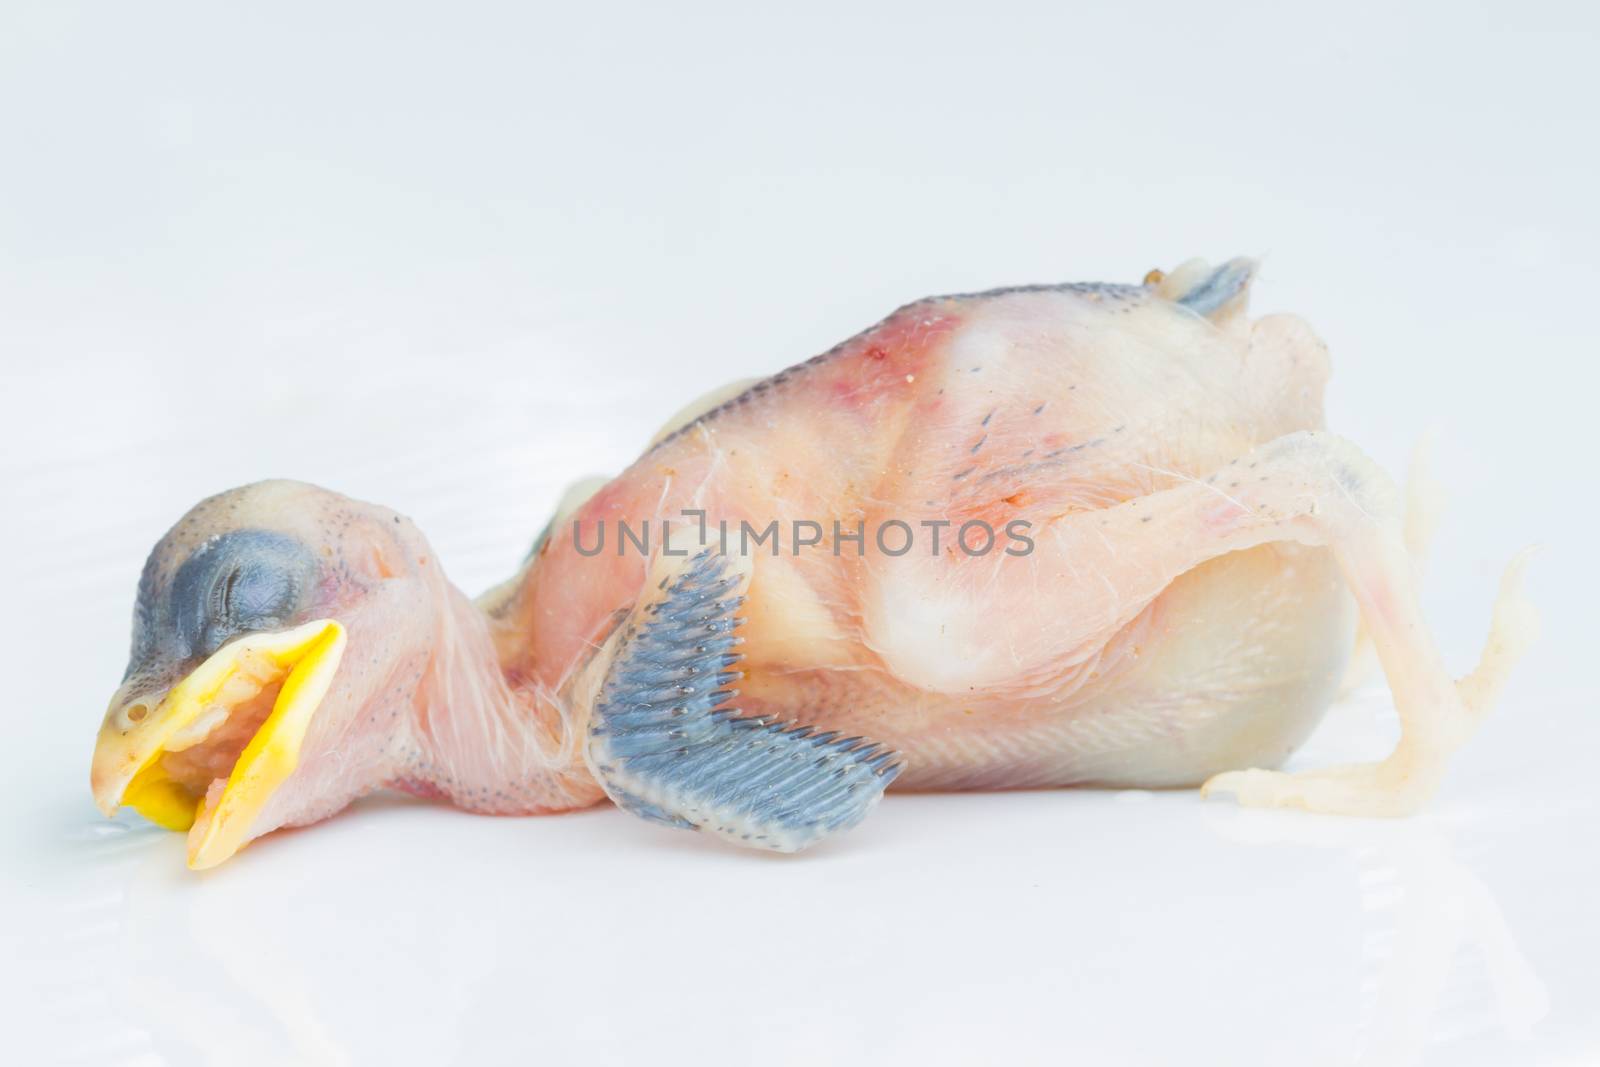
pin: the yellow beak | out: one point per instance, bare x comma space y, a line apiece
138, 757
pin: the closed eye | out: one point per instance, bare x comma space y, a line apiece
226, 594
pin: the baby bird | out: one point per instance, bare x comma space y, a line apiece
1038, 536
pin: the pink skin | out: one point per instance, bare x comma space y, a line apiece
1184, 612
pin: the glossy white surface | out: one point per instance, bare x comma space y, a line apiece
453, 261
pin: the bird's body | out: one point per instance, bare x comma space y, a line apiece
981, 669
1032, 537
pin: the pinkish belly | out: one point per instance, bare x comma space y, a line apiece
1232, 666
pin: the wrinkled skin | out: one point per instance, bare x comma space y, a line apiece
1199, 551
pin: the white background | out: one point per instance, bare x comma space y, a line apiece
449, 257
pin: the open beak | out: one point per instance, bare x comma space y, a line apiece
210, 753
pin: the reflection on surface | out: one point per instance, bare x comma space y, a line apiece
235, 963
230, 972
406, 933
1425, 911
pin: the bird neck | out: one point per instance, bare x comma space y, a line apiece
491, 739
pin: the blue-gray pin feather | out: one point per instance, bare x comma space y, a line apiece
1219, 287
667, 746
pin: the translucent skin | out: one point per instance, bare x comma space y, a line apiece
1183, 610
986, 671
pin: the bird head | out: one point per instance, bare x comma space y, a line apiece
278, 633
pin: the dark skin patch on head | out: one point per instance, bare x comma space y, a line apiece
239, 582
